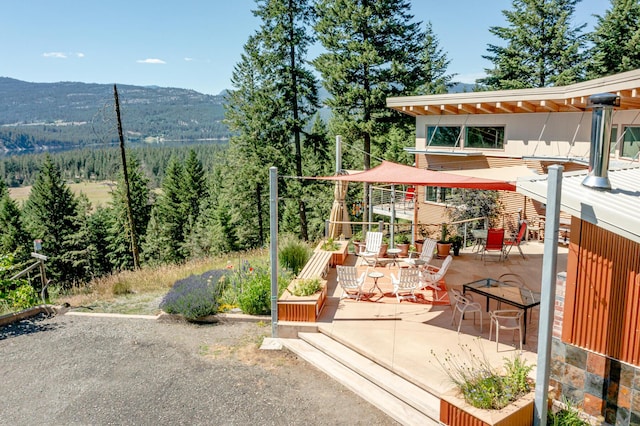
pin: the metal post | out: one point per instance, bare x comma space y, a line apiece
548, 293
393, 215
273, 247
370, 206
338, 154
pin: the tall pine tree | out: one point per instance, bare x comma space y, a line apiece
542, 49
50, 215
372, 49
616, 40
434, 79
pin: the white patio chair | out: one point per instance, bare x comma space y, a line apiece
465, 305
506, 319
373, 242
350, 282
428, 249
408, 281
430, 277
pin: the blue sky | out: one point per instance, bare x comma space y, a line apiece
194, 44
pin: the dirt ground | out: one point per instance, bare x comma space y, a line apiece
89, 370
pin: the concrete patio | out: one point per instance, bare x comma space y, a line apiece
407, 337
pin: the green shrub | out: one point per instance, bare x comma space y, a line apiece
195, 296
255, 295
22, 297
568, 416
307, 287
330, 245
481, 385
121, 288
293, 254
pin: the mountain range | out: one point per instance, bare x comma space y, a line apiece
36, 116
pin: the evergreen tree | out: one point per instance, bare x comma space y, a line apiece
616, 40
169, 214
119, 240
434, 79
283, 40
50, 215
542, 47
372, 50
98, 223
13, 236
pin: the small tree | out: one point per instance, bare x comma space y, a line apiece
470, 203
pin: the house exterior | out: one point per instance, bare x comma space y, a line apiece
514, 133
595, 355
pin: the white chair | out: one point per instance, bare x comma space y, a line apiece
350, 282
518, 281
465, 305
428, 248
430, 277
408, 281
373, 242
506, 319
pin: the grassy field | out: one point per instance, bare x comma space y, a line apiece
99, 193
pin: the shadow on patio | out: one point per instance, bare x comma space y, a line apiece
402, 336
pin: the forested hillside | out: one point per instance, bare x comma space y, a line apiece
36, 116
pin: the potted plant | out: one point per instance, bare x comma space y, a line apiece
456, 244
443, 244
402, 243
383, 247
358, 244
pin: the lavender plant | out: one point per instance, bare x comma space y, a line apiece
195, 296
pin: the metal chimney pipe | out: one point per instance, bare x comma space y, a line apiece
602, 105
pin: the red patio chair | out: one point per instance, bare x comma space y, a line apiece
516, 241
494, 243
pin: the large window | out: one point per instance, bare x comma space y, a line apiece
484, 137
443, 135
630, 142
436, 194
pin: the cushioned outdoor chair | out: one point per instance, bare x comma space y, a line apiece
373, 242
408, 281
349, 281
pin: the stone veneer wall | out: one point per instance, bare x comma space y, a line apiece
605, 388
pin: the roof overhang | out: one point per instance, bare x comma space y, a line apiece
614, 210
412, 150
571, 98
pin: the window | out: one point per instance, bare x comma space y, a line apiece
614, 139
436, 194
630, 142
484, 137
443, 136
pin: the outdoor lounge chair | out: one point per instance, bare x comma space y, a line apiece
508, 244
373, 242
430, 277
350, 282
428, 249
465, 304
494, 243
408, 281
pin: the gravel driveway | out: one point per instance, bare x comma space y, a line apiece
71, 370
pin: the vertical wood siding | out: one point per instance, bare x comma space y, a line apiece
602, 299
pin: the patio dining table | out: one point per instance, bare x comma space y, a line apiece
520, 297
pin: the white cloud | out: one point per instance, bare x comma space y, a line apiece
62, 55
150, 61
58, 55
188, 59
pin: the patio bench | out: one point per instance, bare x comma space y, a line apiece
317, 266
306, 308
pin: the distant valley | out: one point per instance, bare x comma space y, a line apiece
43, 116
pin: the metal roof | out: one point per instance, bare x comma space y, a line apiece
547, 99
615, 210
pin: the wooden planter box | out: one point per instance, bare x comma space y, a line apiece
454, 411
301, 308
339, 256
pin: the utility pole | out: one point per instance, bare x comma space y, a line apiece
134, 243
